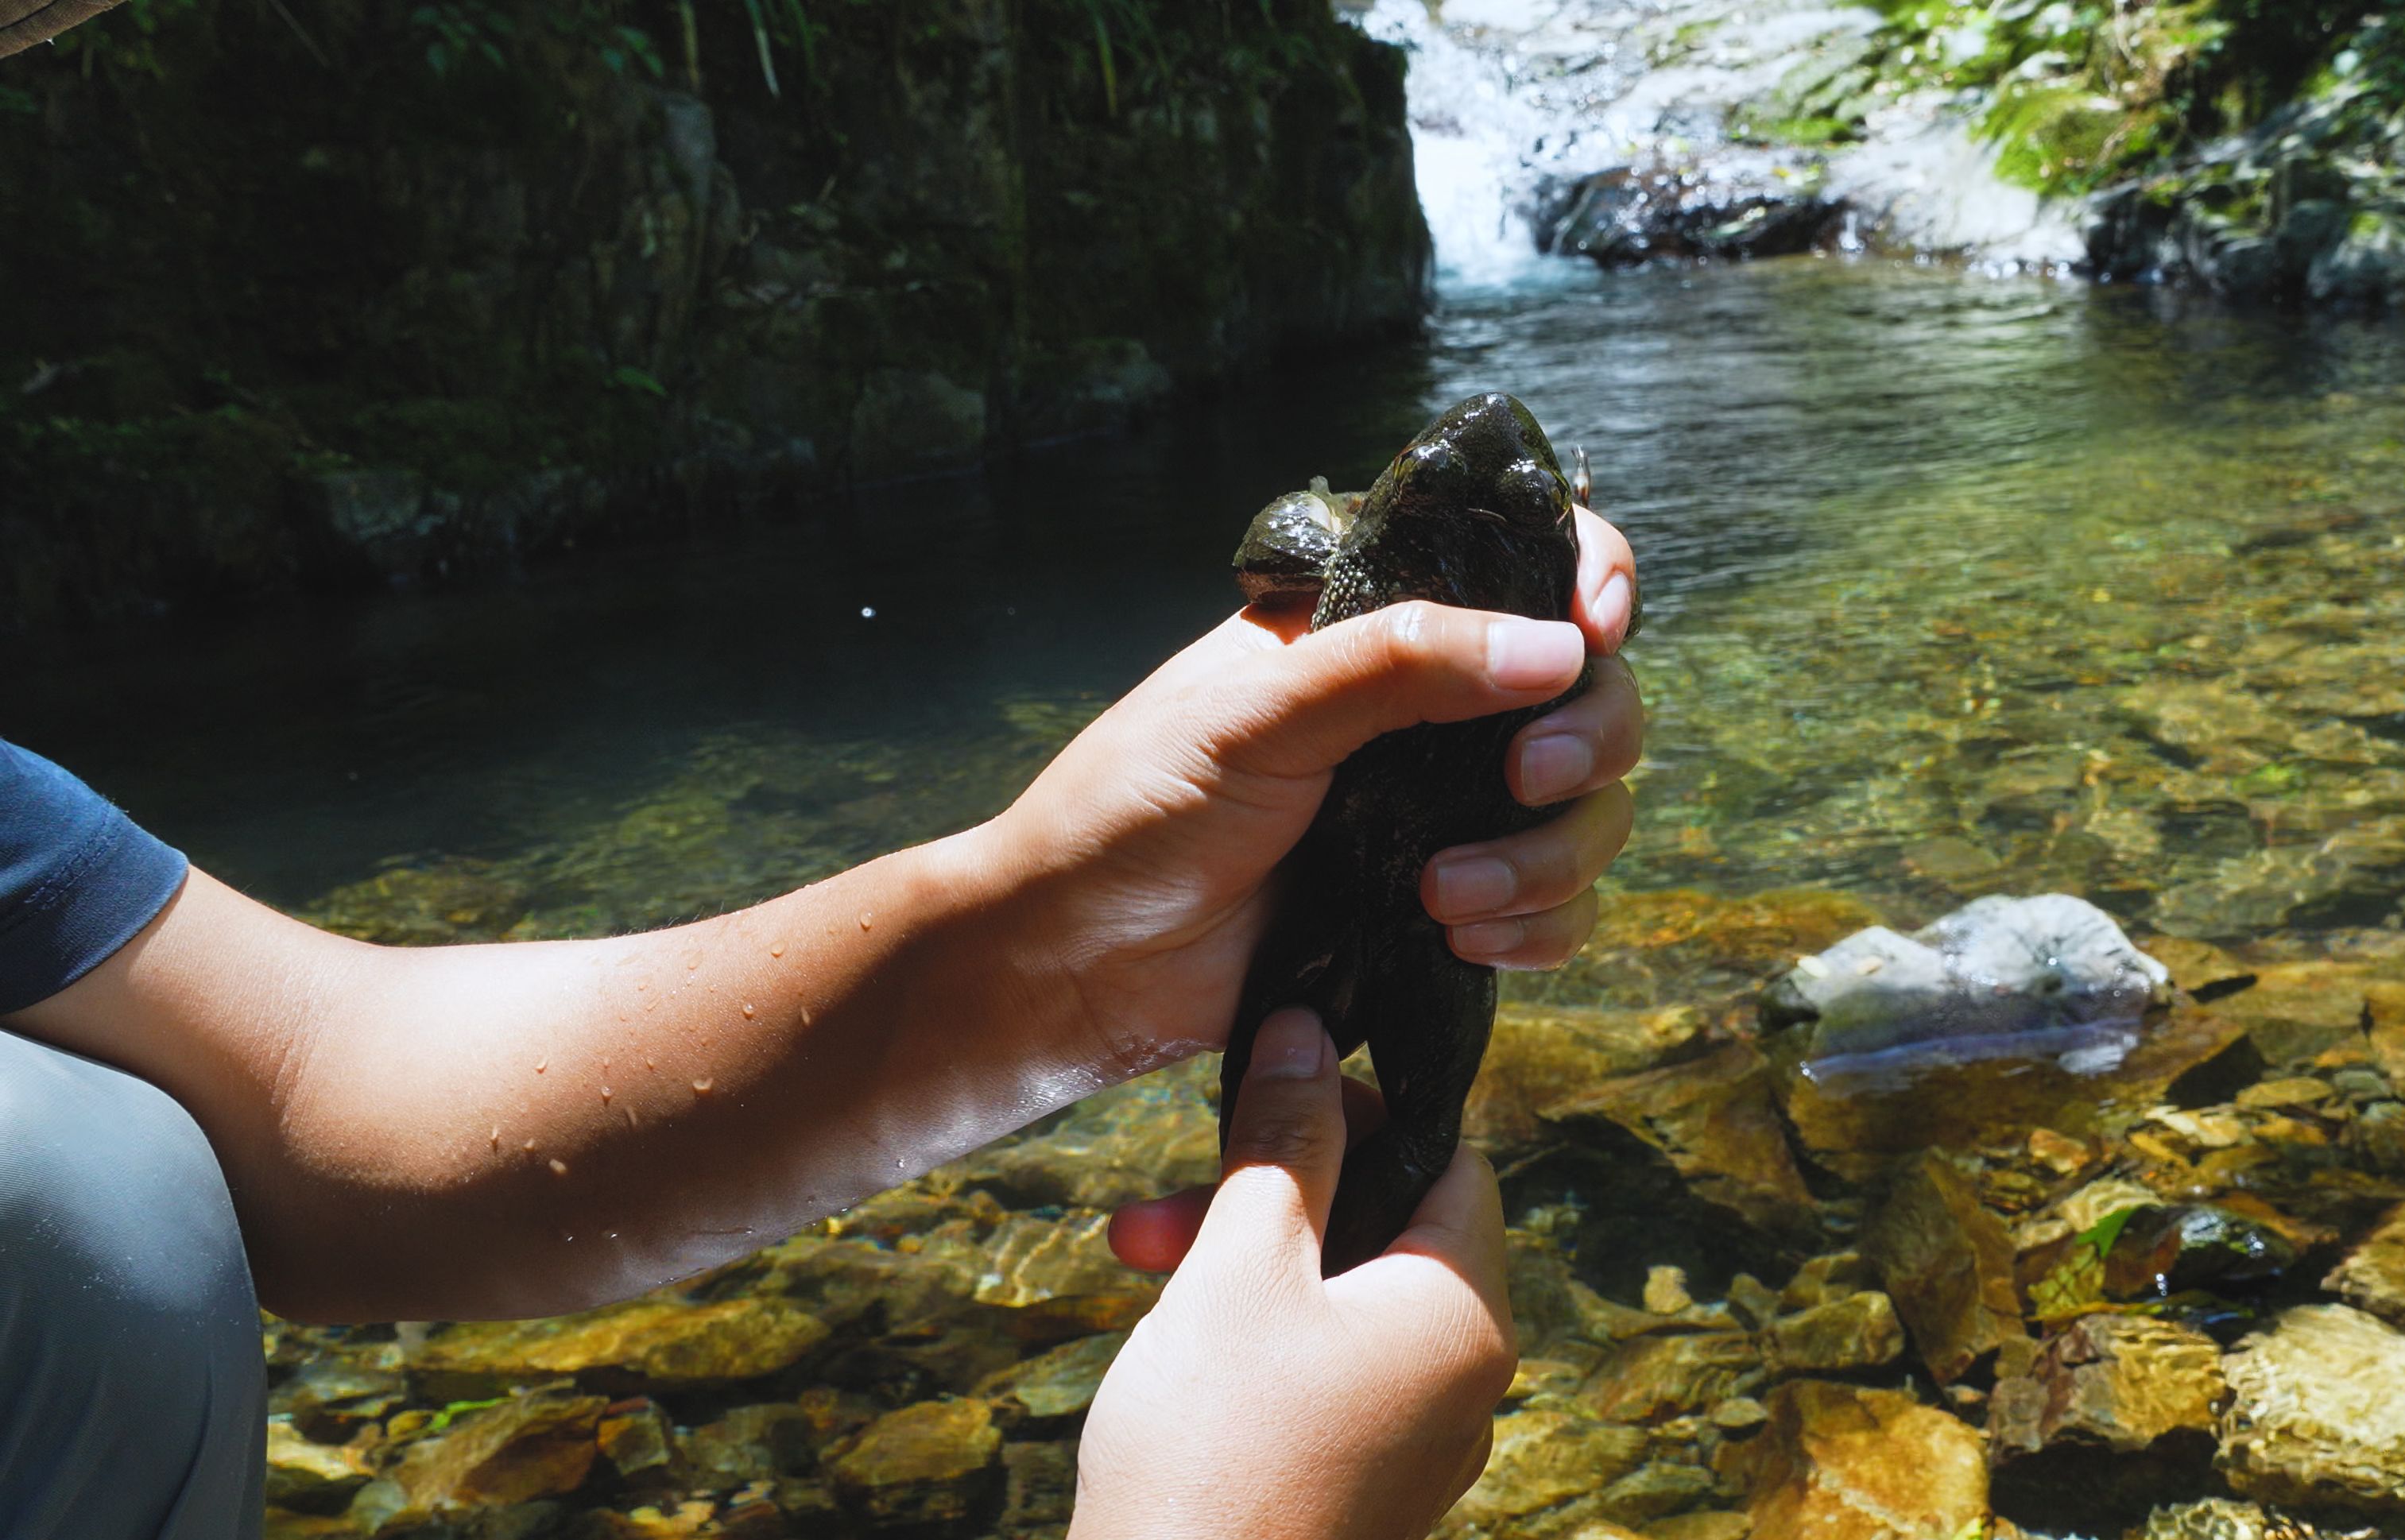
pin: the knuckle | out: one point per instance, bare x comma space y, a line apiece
1277, 1135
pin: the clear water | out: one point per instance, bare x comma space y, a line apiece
1914, 545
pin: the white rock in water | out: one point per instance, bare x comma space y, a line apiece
2051, 974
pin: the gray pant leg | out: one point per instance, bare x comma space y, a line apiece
133, 1396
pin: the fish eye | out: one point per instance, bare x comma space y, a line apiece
1529, 495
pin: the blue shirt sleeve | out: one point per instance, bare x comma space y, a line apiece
78, 879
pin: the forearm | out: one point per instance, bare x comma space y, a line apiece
533, 1127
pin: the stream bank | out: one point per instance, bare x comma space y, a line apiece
382, 295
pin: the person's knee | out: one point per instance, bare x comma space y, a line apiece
129, 1332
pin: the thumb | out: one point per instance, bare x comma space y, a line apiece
1312, 703
1286, 1145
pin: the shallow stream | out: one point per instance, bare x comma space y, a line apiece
1955, 584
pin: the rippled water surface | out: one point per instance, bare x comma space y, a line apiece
1955, 585
1952, 582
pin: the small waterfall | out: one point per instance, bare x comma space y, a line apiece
1513, 103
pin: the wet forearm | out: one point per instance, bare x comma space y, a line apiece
531, 1127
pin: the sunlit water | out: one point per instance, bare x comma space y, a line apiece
1953, 584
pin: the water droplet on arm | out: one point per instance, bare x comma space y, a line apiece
558, 1166
747, 1011
865, 918
701, 1086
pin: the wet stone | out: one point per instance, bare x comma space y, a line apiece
1700, 1526
1999, 971
2213, 1518
2117, 1412
1040, 1486
306, 1477
748, 1445
526, 1448
1544, 1458
1947, 1266
1060, 1381
1666, 1291
1658, 1376
2372, 1276
637, 1440
1840, 1461
1858, 1331
1828, 1277
2315, 1419
1060, 1278
932, 1464
644, 1344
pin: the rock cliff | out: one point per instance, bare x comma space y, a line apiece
364, 293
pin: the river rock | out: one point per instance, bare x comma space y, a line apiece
528, 1446
1058, 1280
1535, 1053
929, 1465
2213, 1518
1661, 1375
637, 1440
1713, 1119
2048, 975
308, 1477
1737, 205
1840, 1461
653, 1343
2117, 1412
1039, 1488
2315, 1419
1860, 1331
2372, 1276
1947, 1265
1541, 1459
1059, 1382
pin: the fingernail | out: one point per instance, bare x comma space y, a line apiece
1555, 765
1525, 655
1488, 938
1611, 610
1289, 1047
1473, 884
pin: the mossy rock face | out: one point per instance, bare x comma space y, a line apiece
556, 290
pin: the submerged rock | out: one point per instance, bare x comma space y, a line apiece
2049, 975
654, 1342
2117, 1412
1845, 1463
1947, 1266
2372, 1276
1860, 1331
2314, 1418
1544, 1459
930, 1464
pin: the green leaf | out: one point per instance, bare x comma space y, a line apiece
632, 378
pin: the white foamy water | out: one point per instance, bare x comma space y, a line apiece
1508, 95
